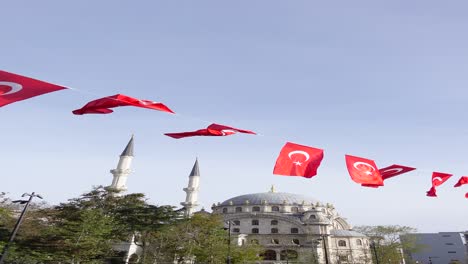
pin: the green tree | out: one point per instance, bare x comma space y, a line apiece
386, 243
201, 238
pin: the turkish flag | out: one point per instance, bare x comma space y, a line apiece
14, 87
363, 170
431, 192
214, 130
438, 178
466, 195
102, 105
389, 172
298, 160
463, 180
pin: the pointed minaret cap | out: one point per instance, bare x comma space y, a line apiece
128, 151
195, 170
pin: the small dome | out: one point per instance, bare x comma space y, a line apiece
277, 198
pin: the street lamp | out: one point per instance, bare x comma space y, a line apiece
228, 258
18, 223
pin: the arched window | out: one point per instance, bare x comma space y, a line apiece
275, 209
288, 254
274, 222
312, 217
343, 258
254, 241
275, 241
294, 230
269, 255
294, 209
359, 242
235, 230
274, 230
295, 241
236, 222
255, 222
224, 210
238, 209
341, 243
254, 230
255, 209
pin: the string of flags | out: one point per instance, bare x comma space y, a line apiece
293, 159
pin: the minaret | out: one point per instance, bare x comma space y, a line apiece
123, 168
192, 190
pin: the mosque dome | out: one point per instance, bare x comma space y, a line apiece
277, 198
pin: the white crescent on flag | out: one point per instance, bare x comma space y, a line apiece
306, 155
356, 164
15, 87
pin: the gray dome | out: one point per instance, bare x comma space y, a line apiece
270, 198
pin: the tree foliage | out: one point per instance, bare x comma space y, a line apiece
386, 243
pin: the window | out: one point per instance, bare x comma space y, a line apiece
312, 217
275, 241
274, 230
295, 241
294, 230
254, 230
359, 242
449, 244
275, 209
242, 242
342, 243
269, 255
254, 241
235, 230
255, 222
452, 252
255, 209
224, 210
236, 222
288, 255
274, 222
343, 258
445, 235
238, 209
294, 209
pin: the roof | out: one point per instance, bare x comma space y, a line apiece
195, 169
270, 198
346, 233
128, 151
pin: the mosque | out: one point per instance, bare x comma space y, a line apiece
292, 228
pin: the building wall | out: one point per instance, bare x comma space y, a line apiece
441, 248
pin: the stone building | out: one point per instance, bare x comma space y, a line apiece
293, 228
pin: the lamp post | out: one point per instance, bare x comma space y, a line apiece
375, 251
18, 223
323, 238
228, 258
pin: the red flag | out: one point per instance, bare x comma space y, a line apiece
102, 105
298, 160
431, 192
363, 170
466, 195
438, 178
389, 172
14, 87
394, 170
212, 130
463, 180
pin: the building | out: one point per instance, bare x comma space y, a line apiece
440, 248
293, 229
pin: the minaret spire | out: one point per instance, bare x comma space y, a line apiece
191, 198
119, 182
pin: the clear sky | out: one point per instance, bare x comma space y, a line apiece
385, 80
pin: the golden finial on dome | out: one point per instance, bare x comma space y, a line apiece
272, 188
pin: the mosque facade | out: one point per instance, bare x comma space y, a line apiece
292, 228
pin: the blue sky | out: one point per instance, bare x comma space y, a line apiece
385, 81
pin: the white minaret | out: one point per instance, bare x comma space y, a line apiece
119, 182
191, 198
